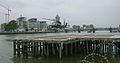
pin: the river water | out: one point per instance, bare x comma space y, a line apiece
6, 51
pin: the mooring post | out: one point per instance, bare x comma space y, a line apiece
28, 47
25, 48
113, 50
96, 45
90, 46
79, 46
71, 48
83, 41
87, 46
53, 48
14, 47
104, 47
60, 50
75, 47
36, 47
66, 49
47, 45
118, 49
39, 43
43, 47
18, 48
93, 45
33, 48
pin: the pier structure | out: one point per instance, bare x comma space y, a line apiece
64, 45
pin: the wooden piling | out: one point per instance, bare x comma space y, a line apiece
79, 45
71, 48
18, 48
60, 50
14, 47
66, 49
47, 46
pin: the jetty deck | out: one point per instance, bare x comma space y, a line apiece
72, 36
63, 45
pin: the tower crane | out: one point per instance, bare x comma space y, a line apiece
8, 11
49, 19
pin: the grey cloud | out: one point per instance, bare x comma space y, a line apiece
98, 12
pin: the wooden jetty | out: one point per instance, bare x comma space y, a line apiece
64, 45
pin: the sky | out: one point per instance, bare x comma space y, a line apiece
101, 13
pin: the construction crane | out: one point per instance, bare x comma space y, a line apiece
8, 11
53, 23
65, 24
49, 19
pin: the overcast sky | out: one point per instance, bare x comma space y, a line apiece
97, 12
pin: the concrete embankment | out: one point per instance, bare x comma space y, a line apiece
6, 33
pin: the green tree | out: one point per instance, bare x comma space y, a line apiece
11, 26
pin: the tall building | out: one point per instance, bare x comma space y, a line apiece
22, 24
32, 24
42, 26
3, 27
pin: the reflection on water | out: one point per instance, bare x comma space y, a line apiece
6, 51
70, 59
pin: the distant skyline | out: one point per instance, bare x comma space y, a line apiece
101, 13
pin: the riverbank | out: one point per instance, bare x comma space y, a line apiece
6, 33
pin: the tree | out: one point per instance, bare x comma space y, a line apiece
11, 26
91, 26
84, 25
